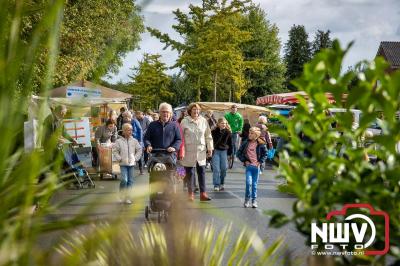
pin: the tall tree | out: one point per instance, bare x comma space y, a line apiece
94, 36
211, 55
183, 90
321, 41
265, 46
150, 82
297, 53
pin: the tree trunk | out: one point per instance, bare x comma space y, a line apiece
233, 92
215, 86
198, 89
230, 91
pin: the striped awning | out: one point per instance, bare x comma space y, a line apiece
287, 98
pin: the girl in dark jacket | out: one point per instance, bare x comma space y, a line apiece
252, 153
222, 148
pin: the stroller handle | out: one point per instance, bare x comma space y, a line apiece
74, 145
70, 145
159, 150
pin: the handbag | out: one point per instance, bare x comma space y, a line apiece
180, 172
271, 154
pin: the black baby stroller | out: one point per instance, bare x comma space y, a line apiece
162, 184
73, 169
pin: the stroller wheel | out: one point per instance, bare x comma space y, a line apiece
146, 213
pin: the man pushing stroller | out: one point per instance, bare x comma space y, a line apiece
163, 133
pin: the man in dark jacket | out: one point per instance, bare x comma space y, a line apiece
163, 133
120, 119
143, 120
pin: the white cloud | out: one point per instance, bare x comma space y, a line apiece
367, 22
165, 8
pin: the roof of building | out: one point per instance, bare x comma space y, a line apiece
105, 92
391, 52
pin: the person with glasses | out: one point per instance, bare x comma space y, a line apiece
163, 133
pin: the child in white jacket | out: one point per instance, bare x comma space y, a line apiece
127, 151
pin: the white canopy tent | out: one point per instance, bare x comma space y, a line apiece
251, 112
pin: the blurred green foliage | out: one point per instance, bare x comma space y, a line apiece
27, 234
326, 168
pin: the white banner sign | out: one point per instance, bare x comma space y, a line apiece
82, 92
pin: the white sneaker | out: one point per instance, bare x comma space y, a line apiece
246, 203
216, 188
254, 204
128, 201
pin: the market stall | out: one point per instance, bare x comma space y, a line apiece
88, 108
251, 112
290, 98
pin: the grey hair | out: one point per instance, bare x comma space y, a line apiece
167, 105
262, 119
125, 126
127, 114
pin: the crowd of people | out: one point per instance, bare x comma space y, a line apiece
192, 140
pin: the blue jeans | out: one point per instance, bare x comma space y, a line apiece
219, 164
252, 174
235, 138
126, 177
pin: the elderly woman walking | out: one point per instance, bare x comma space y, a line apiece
198, 145
127, 151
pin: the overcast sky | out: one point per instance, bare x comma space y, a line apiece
367, 22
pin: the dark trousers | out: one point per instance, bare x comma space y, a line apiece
141, 163
143, 160
95, 157
201, 175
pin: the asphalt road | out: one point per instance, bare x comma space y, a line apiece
225, 208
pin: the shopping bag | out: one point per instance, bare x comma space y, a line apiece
180, 172
271, 154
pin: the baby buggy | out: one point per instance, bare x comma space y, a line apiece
162, 184
74, 171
